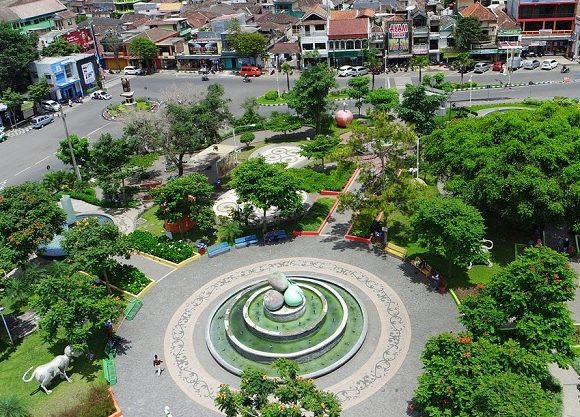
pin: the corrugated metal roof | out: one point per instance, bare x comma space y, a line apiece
37, 8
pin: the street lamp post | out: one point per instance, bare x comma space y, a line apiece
235, 141
470, 89
6, 325
70, 147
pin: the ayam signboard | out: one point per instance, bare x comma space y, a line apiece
399, 38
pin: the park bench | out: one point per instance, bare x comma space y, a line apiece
427, 271
218, 249
396, 251
110, 351
110, 371
275, 236
133, 308
242, 242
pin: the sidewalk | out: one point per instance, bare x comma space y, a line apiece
569, 380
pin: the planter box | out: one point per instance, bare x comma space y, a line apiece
185, 224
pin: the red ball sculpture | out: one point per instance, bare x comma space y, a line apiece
343, 118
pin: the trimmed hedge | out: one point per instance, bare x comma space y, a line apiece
311, 181
160, 246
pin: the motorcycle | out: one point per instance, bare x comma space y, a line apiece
78, 99
204, 78
247, 80
565, 69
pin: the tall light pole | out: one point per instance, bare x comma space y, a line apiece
70, 147
418, 139
6, 325
470, 89
235, 142
277, 78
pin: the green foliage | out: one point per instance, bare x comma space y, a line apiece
28, 217
143, 48
160, 246
420, 61
311, 181
287, 396
266, 185
17, 50
20, 289
528, 297
271, 95
228, 231
383, 99
283, 122
314, 217
251, 114
466, 32
80, 148
128, 278
13, 100
248, 44
71, 302
463, 63
287, 69
13, 407
358, 88
97, 403
61, 180
108, 157
308, 96
38, 91
319, 147
185, 196
418, 108
521, 166
60, 47
246, 138
449, 227
373, 60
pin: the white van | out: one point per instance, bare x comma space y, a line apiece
130, 70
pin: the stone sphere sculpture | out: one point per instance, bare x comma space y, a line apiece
278, 281
343, 118
293, 296
273, 300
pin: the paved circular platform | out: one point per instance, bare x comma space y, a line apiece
289, 154
227, 202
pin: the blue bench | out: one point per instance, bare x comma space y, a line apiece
242, 242
218, 249
275, 236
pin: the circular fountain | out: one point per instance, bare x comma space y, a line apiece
311, 320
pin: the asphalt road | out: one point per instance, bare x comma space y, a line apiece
27, 156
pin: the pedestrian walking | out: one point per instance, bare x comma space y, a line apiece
157, 364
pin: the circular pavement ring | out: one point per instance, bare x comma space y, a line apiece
386, 358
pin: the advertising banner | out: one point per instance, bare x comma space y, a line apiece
81, 37
399, 38
89, 73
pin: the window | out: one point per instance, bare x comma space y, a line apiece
318, 27
68, 70
34, 74
342, 45
307, 46
48, 77
357, 44
349, 45
320, 45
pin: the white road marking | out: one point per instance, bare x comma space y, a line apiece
20, 172
42, 160
96, 130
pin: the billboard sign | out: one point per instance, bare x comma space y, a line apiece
88, 73
81, 37
398, 38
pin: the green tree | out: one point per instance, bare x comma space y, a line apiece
287, 69
383, 99
450, 228
12, 406
463, 63
144, 130
251, 114
287, 396
418, 108
467, 31
38, 92
526, 301
420, 61
144, 49
358, 88
61, 180
28, 217
283, 122
80, 149
112, 42
13, 100
319, 147
92, 247
266, 185
109, 157
246, 138
372, 59
308, 96
228, 231
245, 43
70, 302
60, 47
187, 196
17, 51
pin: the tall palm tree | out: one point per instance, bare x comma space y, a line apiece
371, 60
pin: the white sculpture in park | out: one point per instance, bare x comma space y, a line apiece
486, 246
44, 374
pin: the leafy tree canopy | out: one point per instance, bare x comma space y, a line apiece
418, 108
28, 217
248, 44
283, 122
38, 91
358, 88
143, 48
467, 31
17, 50
109, 157
60, 47
522, 166
319, 147
288, 396
383, 99
80, 148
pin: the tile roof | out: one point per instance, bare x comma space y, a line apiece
169, 7
280, 18
481, 13
197, 19
36, 8
66, 14
285, 48
156, 34
7, 15
343, 14
344, 28
317, 10
503, 20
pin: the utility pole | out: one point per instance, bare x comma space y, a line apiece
70, 147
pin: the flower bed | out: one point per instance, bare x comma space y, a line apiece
160, 246
128, 278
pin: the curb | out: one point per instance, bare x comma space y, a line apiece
509, 85
170, 264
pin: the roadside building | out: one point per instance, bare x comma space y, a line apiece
313, 34
349, 32
32, 16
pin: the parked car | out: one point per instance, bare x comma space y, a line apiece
41, 121
481, 67
548, 64
531, 64
50, 105
345, 71
131, 70
250, 71
359, 71
515, 62
3, 136
101, 95
497, 66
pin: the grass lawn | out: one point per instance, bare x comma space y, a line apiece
32, 351
496, 105
312, 220
262, 100
150, 223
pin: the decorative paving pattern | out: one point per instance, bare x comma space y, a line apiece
289, 154
228, 202
391, 347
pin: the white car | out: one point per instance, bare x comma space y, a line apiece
50, 105
359, 71
131, 70
100, 95
548, 64
345, 71
481, 67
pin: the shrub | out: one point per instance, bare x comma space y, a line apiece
247, 137
228, 231
97, 403
271, 95
312, 220
362, 222
12, 407
160, 246
314, 181
128, 278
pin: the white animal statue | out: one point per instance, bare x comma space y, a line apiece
44, 374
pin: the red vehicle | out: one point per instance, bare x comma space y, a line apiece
497, 66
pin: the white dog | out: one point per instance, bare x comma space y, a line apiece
44, 374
